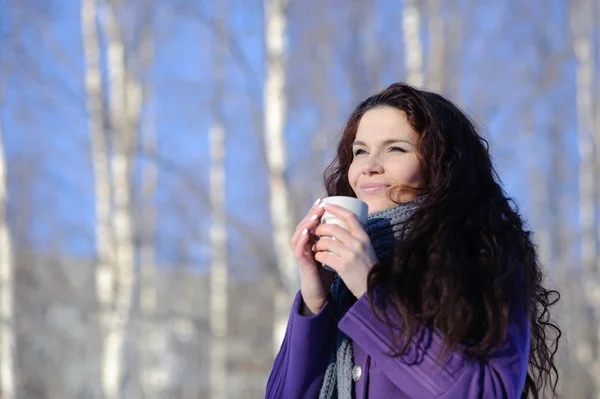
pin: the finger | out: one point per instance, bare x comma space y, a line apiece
308, 223
315, 210
333, 230
330, 244
317, 203
298, 233
328, 259
311, 211
312, 222
301, 250
347, 217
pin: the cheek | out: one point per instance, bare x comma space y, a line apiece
409, 172
417, 176
353, 172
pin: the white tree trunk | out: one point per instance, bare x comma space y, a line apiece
596, 97
413, 47
274, 123
582, 42
7, 316
153, 376
436, 49
453, 51
540, 194
218, 280
218, 233
102, 183
124, 113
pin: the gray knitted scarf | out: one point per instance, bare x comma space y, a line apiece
384, 229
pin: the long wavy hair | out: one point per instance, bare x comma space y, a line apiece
467, 260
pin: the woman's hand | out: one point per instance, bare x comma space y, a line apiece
349, 253
314, 279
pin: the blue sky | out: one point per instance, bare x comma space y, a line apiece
46, 129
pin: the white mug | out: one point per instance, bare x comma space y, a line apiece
354, 205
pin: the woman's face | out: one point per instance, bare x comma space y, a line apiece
384, 156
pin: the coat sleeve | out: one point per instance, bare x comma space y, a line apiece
418, 371
299, 367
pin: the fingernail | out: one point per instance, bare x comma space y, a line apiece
322, 205
305, 231
313, 217
317, 202
313, 247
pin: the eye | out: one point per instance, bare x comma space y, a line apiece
397, 149
359, 151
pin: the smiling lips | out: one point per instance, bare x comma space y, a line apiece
371, 188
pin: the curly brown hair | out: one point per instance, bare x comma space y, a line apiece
468, 252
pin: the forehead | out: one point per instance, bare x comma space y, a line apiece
384, 123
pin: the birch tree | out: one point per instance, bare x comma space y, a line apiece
453, 50
581, 26
274, 124
7, 324
218, 232
596, 99
102, 183
124, 111
436, 46
413, 46
361, 56
218, 281
544, 192
153, 376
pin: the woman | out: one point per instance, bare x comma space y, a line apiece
440, 295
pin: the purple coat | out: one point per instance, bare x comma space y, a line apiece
299, 367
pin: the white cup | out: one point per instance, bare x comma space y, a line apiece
354, 205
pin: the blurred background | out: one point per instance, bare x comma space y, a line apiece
156, 156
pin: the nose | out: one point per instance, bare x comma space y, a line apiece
373, 166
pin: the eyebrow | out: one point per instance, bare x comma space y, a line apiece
384, 142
